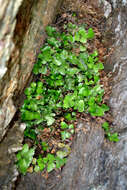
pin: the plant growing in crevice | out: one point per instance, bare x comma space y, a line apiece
69, 83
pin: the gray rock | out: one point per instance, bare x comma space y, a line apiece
22, 24
8, 147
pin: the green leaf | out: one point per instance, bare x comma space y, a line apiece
22, 165
28, 116
50, 120
50, 157
30, 154
41, 164
43, 70
24, 157
68, 116
61, 154
71, 126
105, 126
50, 167
65, 135
68, 101
36, 168
57, 62
84, 91
90, 34
82, 48
18, 156
44, 146
113, 137
36, 69
72, 71
39, 89
28, 91
64, 125
25, 149
50, 31
60, 162
80, 105
96, 110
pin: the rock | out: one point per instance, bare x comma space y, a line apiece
107, 8
8, 147
22, 24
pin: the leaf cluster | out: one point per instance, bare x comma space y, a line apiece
69, 83
24, 158
112, 137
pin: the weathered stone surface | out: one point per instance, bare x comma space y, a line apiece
11, 144
22, 24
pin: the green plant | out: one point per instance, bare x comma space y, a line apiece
69, 83
24, 158
112, 137
50, 162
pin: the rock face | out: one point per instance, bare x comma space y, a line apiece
22, 24
95, 164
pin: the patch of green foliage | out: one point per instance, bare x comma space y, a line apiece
68, 80
112, 137
24, 158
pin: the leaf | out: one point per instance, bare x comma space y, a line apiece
64, 125
68, 101
44, 146
57, 62
90, 34
22, 165
71, 126
80, 105
37, 168
61, 154
50, 167
113, 137
36, 69
39, 89
24, 150
18, 156
60, 162
84, 91
28, 115
82, 48
28, 91
50, 120
50, 157
43, 70
96, 110
24, 157
65, 135
105, 126
68, 116
72, 71
50, 30
41, 164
